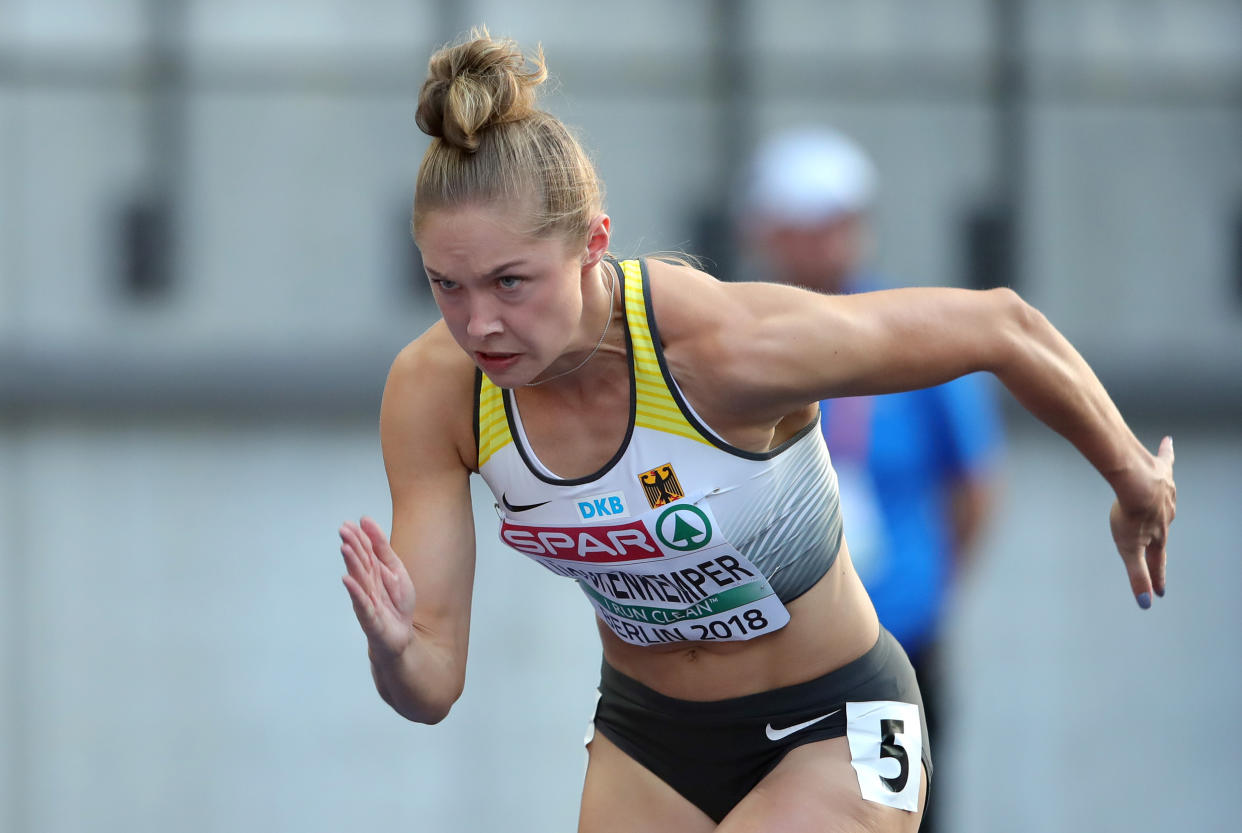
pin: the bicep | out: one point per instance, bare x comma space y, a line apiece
800, 346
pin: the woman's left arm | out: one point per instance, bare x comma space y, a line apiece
1052, 381
788, 346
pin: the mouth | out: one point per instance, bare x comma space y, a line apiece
495, 361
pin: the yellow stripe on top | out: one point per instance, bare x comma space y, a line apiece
493, 424
655, 408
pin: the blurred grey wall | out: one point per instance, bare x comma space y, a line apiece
205, 270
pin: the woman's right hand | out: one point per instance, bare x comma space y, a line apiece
379, 587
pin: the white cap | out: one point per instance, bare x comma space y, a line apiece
809, 175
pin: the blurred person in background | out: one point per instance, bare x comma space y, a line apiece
652, 433
917, 470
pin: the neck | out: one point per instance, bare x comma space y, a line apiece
596, 314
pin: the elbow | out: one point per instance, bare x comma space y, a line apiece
1019, 327
430, 710
420, 705
1017, 311
435, 711
429, 717
421, 685
429, 714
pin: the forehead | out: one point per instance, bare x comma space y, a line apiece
474, 239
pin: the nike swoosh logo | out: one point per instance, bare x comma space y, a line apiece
780, 734
521, 508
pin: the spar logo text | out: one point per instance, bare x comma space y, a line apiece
595, 544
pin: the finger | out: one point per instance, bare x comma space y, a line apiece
400, 594
1165, 452
384, 562
380, 610
354, 574
390, 567
374, 534
358, 564
383, 547
381, 570
382, 576
1140, 579
355, 563
347, 528
1157, 562
364, 535
353, 533
376, 615
363, 608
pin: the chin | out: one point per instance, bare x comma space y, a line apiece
511, 377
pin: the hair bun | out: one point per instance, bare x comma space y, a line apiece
475, 84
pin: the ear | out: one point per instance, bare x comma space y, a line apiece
599, 233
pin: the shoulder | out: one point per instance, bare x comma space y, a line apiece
429, 398
705, 322
691, 309
432, 359
695, 309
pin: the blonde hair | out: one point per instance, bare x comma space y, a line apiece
490, 142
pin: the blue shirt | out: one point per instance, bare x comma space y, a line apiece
912, 447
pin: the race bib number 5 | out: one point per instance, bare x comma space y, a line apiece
886, 751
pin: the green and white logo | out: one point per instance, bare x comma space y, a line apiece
683, 528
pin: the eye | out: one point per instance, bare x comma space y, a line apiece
510, 281
444, 285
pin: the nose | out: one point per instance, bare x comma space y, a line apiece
484, 318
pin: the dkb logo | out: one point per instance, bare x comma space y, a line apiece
603, 507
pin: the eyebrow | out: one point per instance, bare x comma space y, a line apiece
496, 272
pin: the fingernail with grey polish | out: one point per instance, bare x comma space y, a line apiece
1144, 600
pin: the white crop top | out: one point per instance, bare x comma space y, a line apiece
680, 536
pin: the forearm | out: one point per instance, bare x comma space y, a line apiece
1051, 380
421, 684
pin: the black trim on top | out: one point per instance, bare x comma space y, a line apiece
675, 391
511, 407
478, 394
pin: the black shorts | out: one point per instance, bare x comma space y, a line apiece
713, 753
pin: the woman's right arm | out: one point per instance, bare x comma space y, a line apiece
418, 647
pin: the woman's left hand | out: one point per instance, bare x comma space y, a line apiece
1140, 520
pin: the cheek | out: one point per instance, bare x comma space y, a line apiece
448, 311
543, 315
531, 326
457, 320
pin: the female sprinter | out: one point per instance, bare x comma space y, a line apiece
651, 433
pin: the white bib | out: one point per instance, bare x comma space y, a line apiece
667, 576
